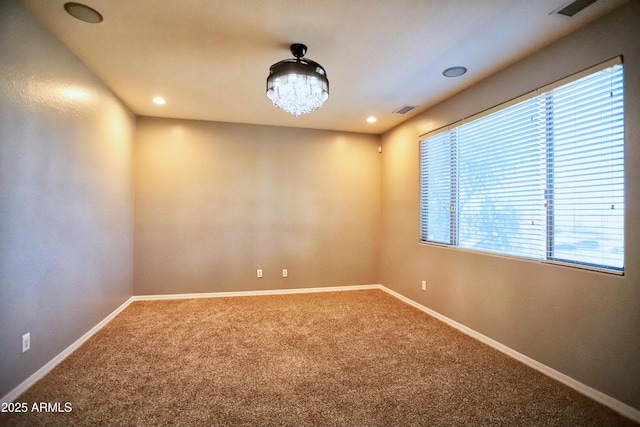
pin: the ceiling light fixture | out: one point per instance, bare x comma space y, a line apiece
454, 71
159, 101
297, 86
83, 12
371, 119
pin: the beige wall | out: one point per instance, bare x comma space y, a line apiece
216, 201
583, 324
65, 197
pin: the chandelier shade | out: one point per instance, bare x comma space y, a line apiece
297, 85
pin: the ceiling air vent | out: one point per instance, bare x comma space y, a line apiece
404, 109
573, 7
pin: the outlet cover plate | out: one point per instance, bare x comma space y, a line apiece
26, 342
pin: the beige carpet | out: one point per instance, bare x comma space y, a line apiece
356, 358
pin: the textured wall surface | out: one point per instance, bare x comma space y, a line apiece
217, 201
66, 238
583, 324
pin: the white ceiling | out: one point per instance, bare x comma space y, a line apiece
210, 58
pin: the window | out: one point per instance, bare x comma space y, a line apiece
540, 177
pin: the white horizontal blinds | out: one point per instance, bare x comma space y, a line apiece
436, 203
540, 177
501, 179
586, 197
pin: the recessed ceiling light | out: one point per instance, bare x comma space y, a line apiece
83, 12
371, 119
159, 101
454, 71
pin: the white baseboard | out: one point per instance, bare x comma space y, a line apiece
616, 405
23, 386
255, 293
594, 394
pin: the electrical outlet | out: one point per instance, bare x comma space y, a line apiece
26, 342
285, 273
259, 273
424, 285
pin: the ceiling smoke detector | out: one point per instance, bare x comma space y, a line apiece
83, 12
454, 71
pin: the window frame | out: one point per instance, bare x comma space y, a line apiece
454, 215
